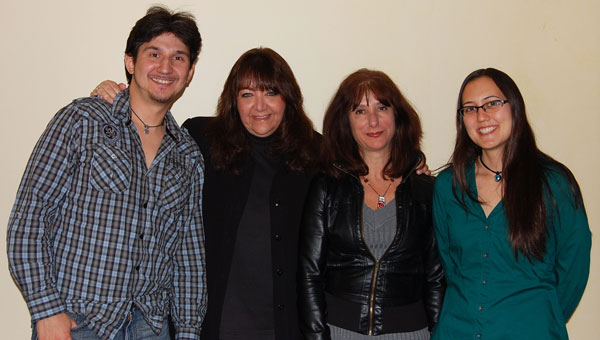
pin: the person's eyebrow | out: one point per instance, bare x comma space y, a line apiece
155, 48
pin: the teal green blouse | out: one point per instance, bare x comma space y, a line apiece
492, 295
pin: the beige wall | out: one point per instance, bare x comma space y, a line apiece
54, 51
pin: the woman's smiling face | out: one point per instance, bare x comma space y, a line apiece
261, 111
373, 125
489, 130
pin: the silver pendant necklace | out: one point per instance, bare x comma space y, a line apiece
380, 198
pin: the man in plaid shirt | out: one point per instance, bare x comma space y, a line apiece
105, 239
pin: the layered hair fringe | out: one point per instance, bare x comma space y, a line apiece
294, 140
339, 145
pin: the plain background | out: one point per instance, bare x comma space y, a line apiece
55, 51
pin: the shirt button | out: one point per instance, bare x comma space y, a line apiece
276, 203
479, 336
277, 237
485, 255
145, 205
484, 282
279, 272
480, 308
487, 227
137, 268
280, 306
141, 236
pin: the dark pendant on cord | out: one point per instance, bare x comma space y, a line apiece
498, 176
146, 126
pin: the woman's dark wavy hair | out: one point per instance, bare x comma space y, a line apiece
294, 140
339, 145
523, 174
159, 20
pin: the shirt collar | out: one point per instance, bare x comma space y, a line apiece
121, 112
120, 107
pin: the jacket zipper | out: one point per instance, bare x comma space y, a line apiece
375, 271
372, 298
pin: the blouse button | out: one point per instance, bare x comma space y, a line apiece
480, 308
487, 227
484, 282
485, 255
479, 336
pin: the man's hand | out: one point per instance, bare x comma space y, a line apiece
56, 327
422, 168
108, 90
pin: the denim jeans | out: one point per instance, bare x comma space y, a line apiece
134, 328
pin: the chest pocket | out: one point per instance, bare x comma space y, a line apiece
175, 187
110, 169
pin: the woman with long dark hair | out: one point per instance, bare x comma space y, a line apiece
510, 223
368, 262
260, 152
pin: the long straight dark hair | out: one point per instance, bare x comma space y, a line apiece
523, 174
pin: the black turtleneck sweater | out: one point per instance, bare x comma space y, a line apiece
248, 307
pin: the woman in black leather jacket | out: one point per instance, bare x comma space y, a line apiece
368, 263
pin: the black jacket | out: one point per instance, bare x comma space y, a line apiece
341, 283
224, 199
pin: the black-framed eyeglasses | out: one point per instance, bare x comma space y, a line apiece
491, 107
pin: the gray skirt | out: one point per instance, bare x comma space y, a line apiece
338, 333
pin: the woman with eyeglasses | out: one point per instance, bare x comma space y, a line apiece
510, 223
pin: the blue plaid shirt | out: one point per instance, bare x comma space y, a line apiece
95, 232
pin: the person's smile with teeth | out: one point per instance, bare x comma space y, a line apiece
261, 111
